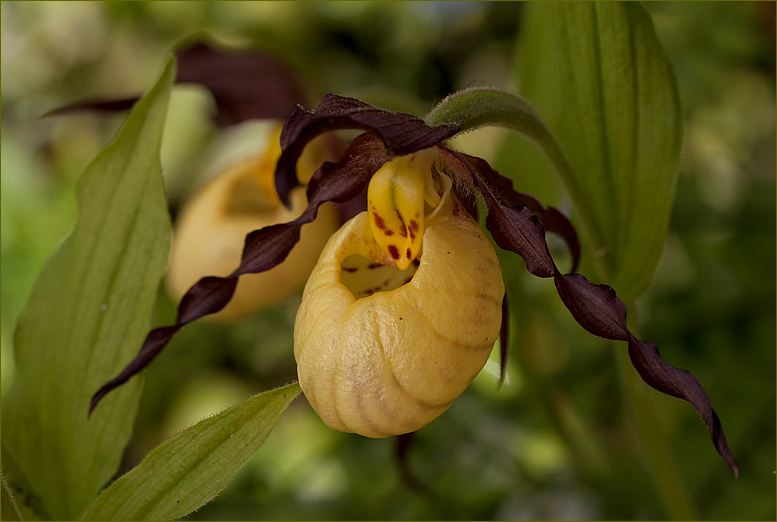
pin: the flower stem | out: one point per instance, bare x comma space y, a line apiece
477, 107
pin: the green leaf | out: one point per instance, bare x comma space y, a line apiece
28, 504
516, 157
8, 509
86, 318
606, 87
191, 468
619, 121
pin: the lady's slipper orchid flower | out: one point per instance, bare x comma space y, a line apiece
517, 223
385, 342
210, 230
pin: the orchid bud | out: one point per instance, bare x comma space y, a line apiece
210, 231
382, 351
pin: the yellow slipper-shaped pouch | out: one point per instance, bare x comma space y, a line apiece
382, 351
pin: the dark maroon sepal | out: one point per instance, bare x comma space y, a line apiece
264, 249
246, 85
249, 85
400, 133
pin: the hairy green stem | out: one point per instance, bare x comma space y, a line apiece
477, 107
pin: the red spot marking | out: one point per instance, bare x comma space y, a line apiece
403, 230
417, 214
409, 254
378, 220
455, 210
388, 232
372, 266
414, 225
350, 269
393, 251
412, 236
369, 292
416, 262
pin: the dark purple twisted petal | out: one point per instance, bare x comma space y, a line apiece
601, 312
520, 231
552, 219
400, 133
245, 85
263, 249
681, 384
514, 229
595, 307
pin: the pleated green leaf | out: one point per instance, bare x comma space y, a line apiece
536, 76
86, 318
191, 468
618, 119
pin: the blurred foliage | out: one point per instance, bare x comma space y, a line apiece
557, 442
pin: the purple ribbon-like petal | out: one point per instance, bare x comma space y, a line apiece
595, 307
264, 249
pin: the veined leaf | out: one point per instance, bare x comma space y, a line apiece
619, 122
86, 318
610, 95
8, 507
534, 71
189, 469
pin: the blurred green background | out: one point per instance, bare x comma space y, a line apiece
558, 441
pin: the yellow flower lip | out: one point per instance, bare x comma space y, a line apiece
392, 361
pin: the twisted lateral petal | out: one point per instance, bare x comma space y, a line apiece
392, 362
263, 250
209, 242
211, 230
